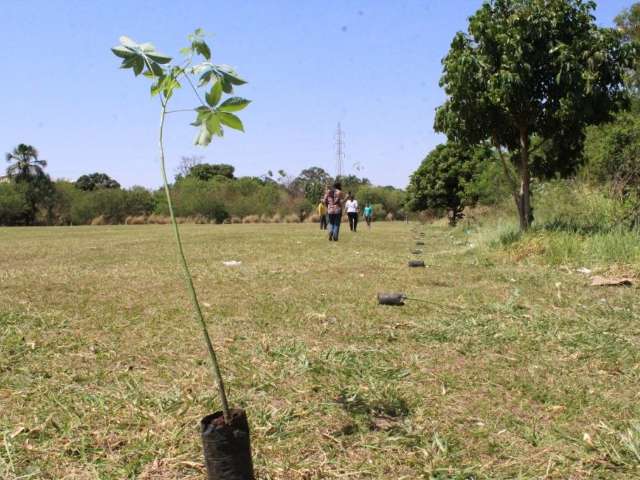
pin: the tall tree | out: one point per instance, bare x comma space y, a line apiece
444, 179
526, 69
27, 171
25, 164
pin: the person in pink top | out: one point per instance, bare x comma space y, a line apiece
333, 199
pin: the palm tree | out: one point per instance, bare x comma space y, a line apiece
26, 164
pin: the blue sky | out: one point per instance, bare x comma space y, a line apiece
372, 65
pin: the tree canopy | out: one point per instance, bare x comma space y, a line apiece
207, 171
94, 181
444, 179
527, 69
25, 164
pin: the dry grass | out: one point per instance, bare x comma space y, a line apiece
512, 369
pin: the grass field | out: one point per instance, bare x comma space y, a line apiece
514, 368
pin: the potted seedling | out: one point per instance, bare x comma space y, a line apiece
225, 434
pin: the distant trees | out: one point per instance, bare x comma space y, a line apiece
445, 178
208, 171
94, 181
529, 72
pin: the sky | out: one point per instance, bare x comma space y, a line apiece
372, 65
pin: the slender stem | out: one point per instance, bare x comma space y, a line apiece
195, 90
180, 110
187, 275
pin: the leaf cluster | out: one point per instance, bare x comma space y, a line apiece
213, 113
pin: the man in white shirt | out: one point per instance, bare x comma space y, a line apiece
351, 206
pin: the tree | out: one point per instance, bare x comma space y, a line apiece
208, 171
628, 22
95, 181
527, 69
444, 178
311, 182
27, 171
352, 183
25, 163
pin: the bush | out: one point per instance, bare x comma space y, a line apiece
571, 207
13, 204
193, 197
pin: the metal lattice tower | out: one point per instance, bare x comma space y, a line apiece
339, 151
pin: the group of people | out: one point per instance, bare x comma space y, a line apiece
330, 211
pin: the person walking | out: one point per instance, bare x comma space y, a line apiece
322, 213
333, 201
352, 212
368, 214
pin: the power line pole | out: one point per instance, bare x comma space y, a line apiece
339, 151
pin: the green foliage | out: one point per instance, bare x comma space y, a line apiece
311, 183
490, 186
14, 207
531, 68
216, 80
383, 199
208, 171
445, 178
352, 183
95, 181
25, 163
571, 207
628, 22
194, 197
613, 150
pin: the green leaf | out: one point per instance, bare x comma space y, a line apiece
226, 85
138, 65
233, 104
230, 120
213, 124
122, 52
213, 97
204, 136
202, 48
158, 57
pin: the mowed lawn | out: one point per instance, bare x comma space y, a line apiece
508, 369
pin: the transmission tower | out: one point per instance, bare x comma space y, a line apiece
339, 151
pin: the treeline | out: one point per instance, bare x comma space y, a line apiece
202, 193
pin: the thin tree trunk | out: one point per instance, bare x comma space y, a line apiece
524, 195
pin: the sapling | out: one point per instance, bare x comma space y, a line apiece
209, 83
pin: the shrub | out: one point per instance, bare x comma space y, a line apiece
277, 218
251, 219
13, 204
291, 218
234, 219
